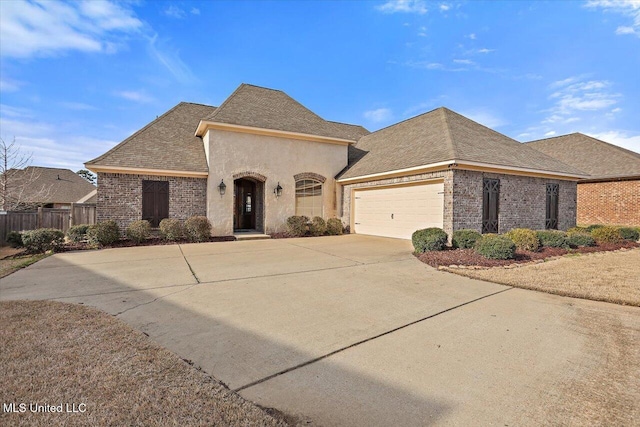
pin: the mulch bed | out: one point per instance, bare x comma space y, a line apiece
469, 257
126, 243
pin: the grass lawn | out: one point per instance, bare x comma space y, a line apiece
603, 276
10, 265
57, 353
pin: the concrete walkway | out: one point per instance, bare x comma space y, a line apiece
352, 330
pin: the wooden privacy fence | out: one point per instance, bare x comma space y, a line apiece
61, 219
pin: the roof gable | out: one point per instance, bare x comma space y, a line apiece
167, 143
598, 158
263, 108
442, 135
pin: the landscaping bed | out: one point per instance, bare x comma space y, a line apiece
56, 353
469, 257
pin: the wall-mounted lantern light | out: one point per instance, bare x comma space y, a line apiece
278, 190
222, 188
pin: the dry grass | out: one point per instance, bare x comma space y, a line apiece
55, 353
604, 276
10, 265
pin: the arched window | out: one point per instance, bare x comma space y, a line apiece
309, 198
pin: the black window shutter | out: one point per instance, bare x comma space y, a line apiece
551, 217
490, 207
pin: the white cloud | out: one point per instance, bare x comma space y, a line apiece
77, 106
423, 32
174, 11
9, 85
136, 96
627, 8
170, 58
194, 11
444, 7
403, 6
485, 50
472, 36
574, 95
550, 133
621, 139
29, 28
379, 115
464, 61
485, 118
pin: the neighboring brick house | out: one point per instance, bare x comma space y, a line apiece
611, 194
280, 159
46, 187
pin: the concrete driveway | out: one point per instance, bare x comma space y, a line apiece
353, 330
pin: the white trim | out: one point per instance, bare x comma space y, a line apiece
519, 169
88, 196
143, 171
407, 171
204, 125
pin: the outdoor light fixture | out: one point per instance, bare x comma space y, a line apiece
278, 190
222, 188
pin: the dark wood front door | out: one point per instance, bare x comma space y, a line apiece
155, 201
244, 216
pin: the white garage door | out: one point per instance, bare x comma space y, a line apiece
398, 211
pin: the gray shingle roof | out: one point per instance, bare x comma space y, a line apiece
166, 143
54, 184
265, 108
599, 159
442, 135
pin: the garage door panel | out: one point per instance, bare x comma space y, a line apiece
398, 211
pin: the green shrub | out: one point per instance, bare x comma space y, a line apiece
171, 229
139, 231
465, 239
103, 233
552, 238
577, 229
629, 233
592, 227
429, 239
496, 247
14, 239
334, 227
318, 226
576, 240
606, 234
297, 226
78, 233
42, 239
525, 239
197, 229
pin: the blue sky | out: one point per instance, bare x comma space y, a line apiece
77, 78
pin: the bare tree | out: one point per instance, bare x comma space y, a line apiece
19, 186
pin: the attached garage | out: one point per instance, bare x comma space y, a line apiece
397, 211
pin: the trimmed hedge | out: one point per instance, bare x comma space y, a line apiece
553, 238
465, 239
606, 234
197, 229
317, 226
629, 233
575, 240
78, 233
577, 229
496, 247
524, 239
171, 229
297, 225
592, 227
103, 233
334, 227
429, 239
139, 231
14, 239
42, 239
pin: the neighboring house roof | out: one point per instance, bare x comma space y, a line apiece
167, 143
264, 108
442, 135
49, 185
599, 159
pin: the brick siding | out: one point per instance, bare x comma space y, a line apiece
120, 197
614, 202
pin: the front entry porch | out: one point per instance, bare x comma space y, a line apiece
248, 206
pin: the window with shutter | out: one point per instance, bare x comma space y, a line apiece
490, 198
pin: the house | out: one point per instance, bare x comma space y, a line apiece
47, 187
261, 157
611, 194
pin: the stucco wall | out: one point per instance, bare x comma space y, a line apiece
616, 202
120, 197
277, 159
522, 201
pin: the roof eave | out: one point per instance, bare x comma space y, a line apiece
205, 125
144, 171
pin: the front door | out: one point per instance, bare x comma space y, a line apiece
244, 216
